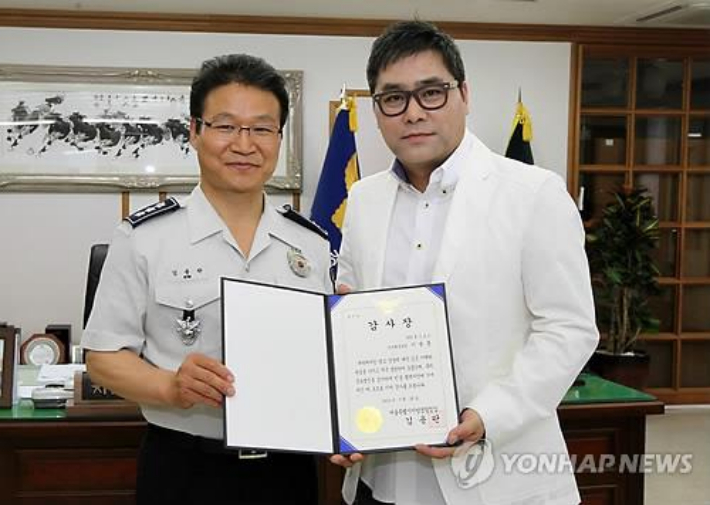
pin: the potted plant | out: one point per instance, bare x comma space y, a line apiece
624, 277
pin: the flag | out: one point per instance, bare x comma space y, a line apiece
339, 173
519, 143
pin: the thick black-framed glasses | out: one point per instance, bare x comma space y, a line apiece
226, 130
429, 97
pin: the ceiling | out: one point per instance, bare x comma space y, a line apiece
684, 13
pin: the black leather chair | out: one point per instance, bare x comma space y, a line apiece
96, 263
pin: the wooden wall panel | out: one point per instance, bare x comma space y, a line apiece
343, 27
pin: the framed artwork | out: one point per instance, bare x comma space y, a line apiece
7, 365
113, 129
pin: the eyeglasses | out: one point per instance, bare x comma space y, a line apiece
429, 97
228, 131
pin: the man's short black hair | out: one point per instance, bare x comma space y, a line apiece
240, 69
407, 38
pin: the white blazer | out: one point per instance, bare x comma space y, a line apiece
520, 305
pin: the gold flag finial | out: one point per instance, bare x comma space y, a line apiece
349, 104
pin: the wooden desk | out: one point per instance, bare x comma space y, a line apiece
603, 417
48, 459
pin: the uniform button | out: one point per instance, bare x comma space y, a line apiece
189, 304
444, 191
426, 205
246, 267
419, 246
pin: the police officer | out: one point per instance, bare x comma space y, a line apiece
154, 335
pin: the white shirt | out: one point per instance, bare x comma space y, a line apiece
413, 243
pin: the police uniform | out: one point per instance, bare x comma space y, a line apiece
160, 288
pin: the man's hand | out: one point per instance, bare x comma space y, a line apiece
471, 429
201, 379
346, 461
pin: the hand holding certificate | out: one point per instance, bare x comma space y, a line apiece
361, 372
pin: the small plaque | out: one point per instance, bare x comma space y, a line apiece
41, 349
85, 390
94, 401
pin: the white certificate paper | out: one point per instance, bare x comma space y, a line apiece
363, 372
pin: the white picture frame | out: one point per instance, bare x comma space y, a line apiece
113, 129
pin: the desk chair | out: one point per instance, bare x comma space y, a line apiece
96, 263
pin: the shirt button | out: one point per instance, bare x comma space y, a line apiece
419, 246
246, 267
426, 205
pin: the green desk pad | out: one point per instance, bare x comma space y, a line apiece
598, 390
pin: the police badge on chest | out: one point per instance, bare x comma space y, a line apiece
188, 327
298, 262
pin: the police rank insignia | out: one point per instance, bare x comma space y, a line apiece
147, 213
298, 262
188, 328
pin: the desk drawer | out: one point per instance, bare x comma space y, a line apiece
599, 495
70, 470
592, 443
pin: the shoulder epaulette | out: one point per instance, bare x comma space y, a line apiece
154, 210
288, 212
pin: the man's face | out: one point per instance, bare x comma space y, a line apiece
237, 161
422, 139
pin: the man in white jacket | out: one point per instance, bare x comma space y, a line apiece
509, 244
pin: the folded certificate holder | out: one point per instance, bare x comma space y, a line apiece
364, 372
